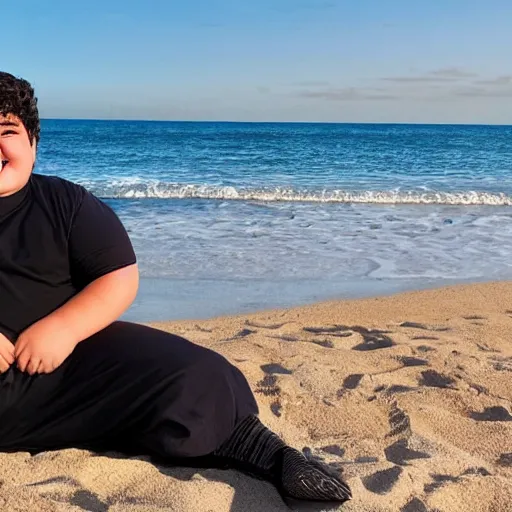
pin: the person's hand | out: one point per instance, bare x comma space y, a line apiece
43, 347
6, 353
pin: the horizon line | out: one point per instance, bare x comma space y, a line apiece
418, 123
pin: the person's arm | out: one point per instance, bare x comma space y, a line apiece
98, 305
44, 345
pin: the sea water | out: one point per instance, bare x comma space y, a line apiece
235, 217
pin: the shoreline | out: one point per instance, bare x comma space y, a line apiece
171, 299
430, 304
408, 394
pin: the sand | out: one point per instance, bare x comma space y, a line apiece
409, 395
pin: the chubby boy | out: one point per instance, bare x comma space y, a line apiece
73, 375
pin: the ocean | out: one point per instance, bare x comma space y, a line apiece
228, 218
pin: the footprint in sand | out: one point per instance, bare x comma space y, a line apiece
88, 501
337, 331
382, 482
333, 449
439, 481
81, 498
400, 453
424, 327
496, 413
323, 343
476, 472
479, 389
503, 367
241, 334
398, 388
273, 368
505, 460
276, 407
412, 361
285, 337
352, 381
202, 329
55, 480
342, 330
259, 325
502, 364
433, 379
415, 505
425, 348
366, 460
340, 334
268, 385
399, 422
485, 348
372, 339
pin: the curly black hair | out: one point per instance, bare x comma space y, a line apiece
17, 98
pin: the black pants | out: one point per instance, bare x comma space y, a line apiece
127, 387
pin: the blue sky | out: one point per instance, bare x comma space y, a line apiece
266, 60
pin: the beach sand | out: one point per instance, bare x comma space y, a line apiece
410, 395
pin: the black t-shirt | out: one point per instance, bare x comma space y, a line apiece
55, 239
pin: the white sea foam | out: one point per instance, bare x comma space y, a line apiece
135, 188
252, 240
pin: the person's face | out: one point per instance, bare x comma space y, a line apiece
17, 155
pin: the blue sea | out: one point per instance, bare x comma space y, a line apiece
234, 217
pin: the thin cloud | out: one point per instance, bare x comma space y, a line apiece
442, 75
438, 85
419, 79
481, 92
453, 73
347, 94
311, 83
263, 90
500, 80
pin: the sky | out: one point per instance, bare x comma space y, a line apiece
397, 61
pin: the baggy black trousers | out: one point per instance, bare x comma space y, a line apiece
127, 387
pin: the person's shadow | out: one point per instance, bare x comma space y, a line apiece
250, 494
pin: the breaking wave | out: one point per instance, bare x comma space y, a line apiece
135, 189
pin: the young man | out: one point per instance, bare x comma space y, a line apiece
72, 375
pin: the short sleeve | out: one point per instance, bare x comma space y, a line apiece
98, 242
